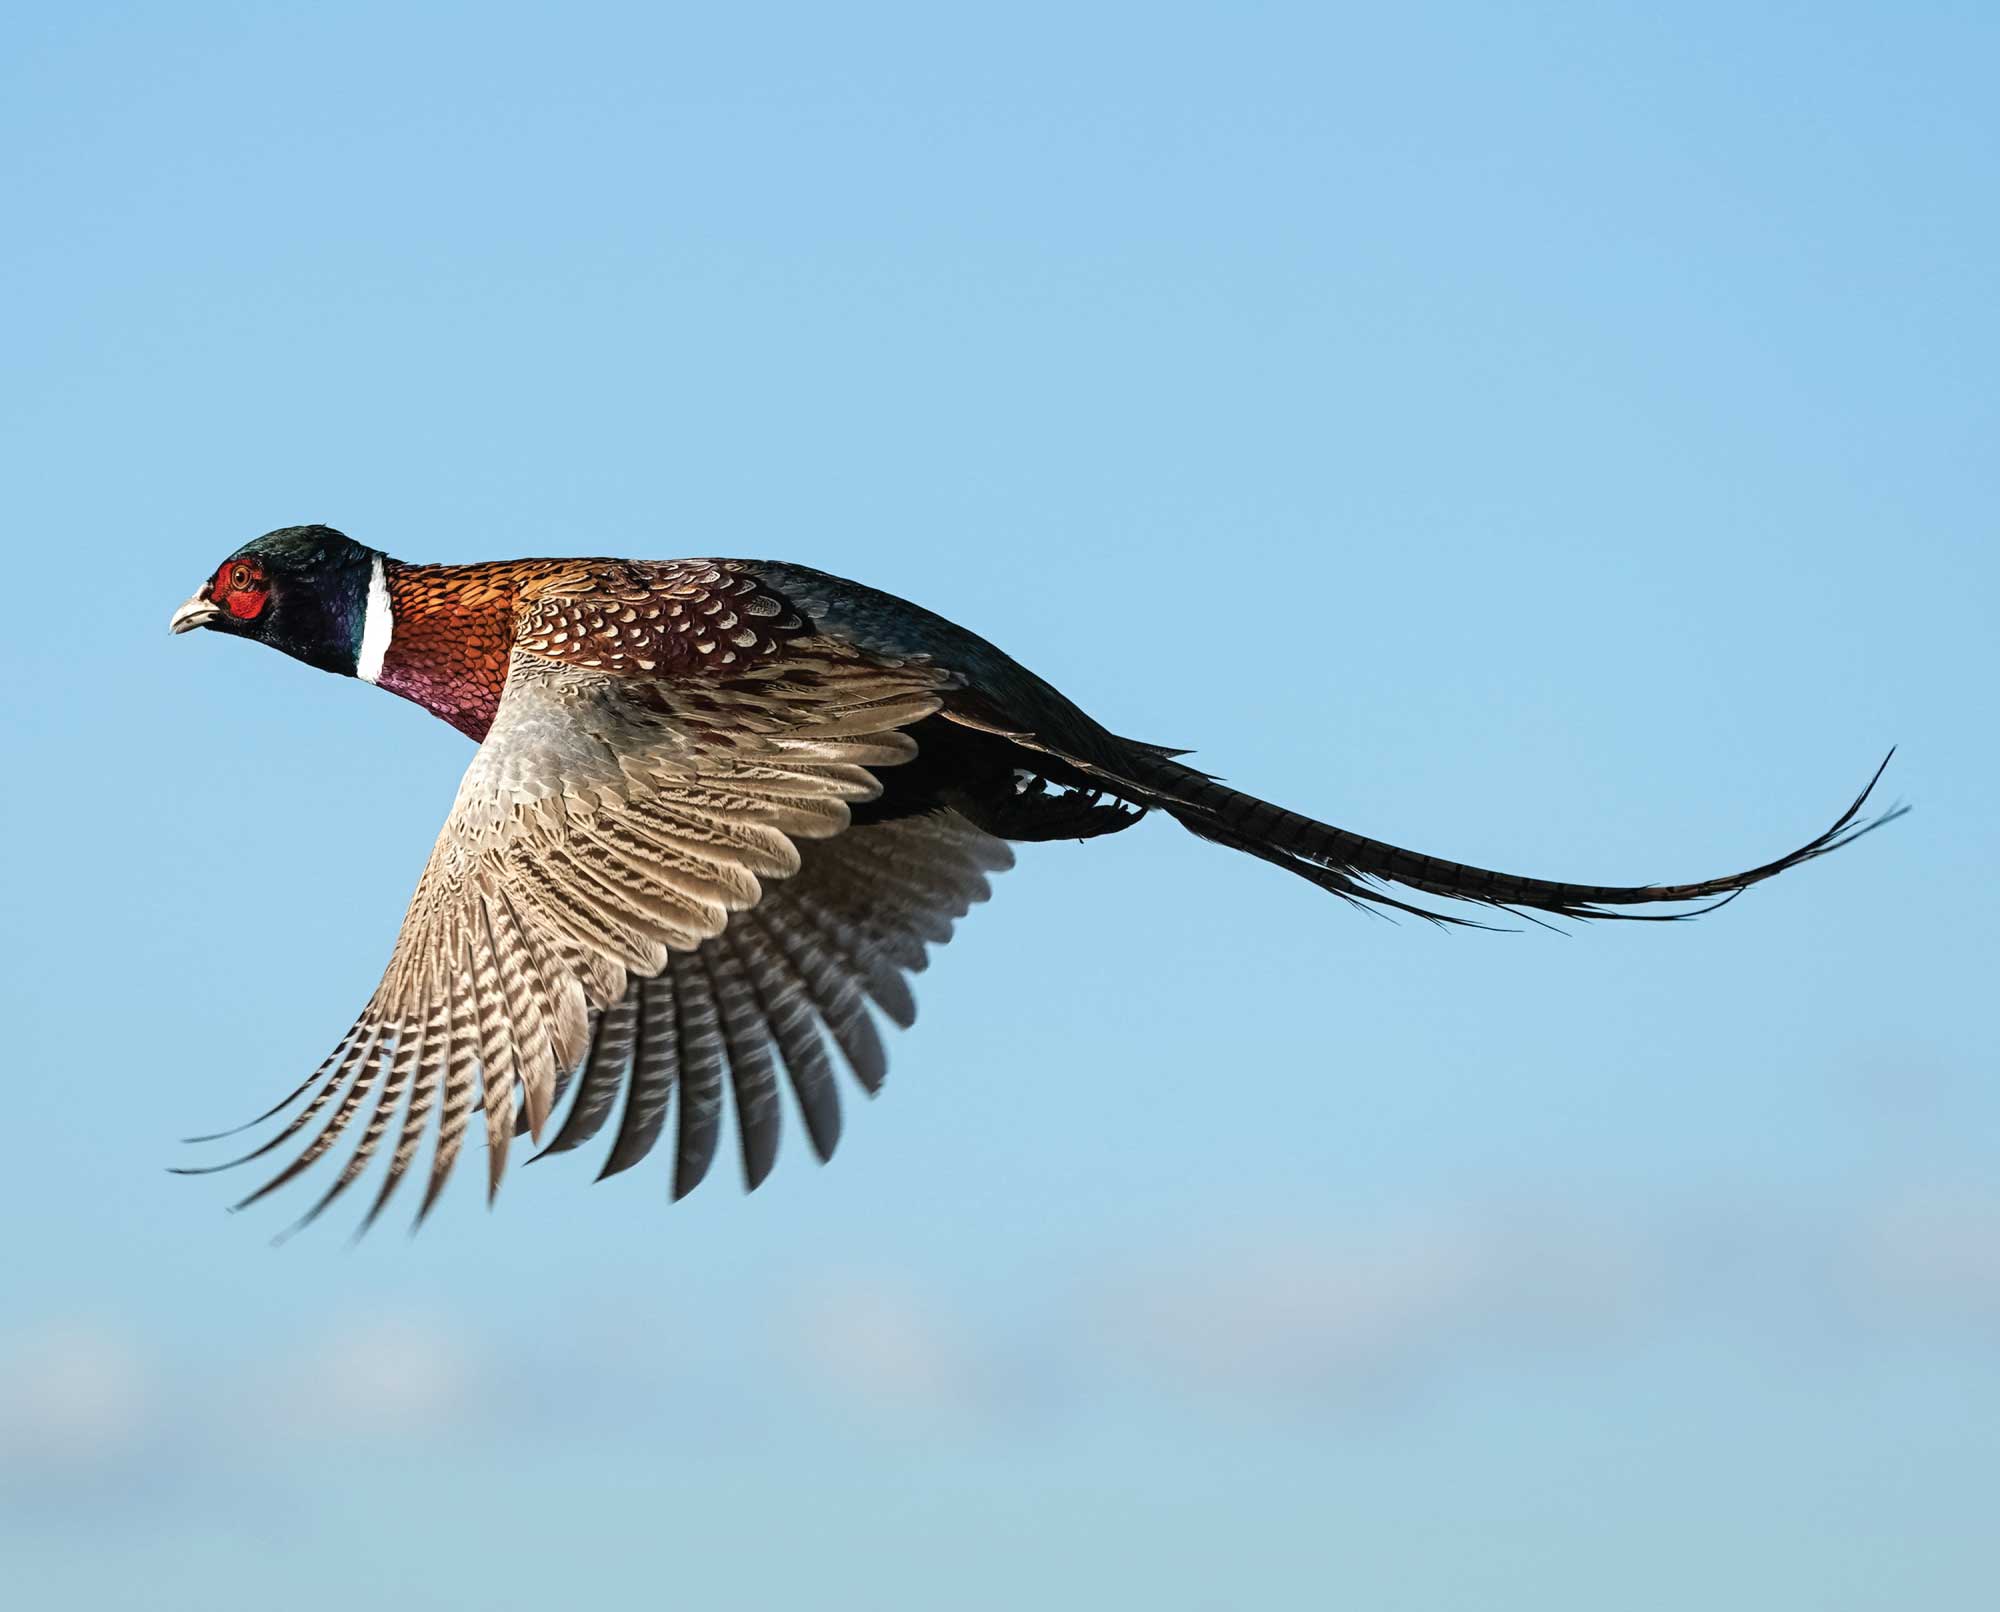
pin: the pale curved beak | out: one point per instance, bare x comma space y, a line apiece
197, 612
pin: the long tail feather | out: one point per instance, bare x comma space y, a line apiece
1352, 865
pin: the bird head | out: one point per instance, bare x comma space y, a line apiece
301, 589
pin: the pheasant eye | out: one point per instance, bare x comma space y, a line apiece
241, 589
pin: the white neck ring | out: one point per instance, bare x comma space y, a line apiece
378, 622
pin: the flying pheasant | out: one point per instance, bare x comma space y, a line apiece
718, 808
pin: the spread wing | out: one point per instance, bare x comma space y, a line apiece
783, 979
608, 827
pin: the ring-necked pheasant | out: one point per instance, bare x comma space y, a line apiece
718, 808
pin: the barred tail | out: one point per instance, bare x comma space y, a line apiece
1353, 867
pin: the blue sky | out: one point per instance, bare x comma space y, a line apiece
1557, 438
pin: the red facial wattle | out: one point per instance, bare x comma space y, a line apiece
240, 588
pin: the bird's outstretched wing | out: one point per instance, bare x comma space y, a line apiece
606, 831
786, 975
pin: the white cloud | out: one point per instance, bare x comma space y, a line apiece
1354, 1307
1932, 1253
75, 1401
875, 1342
391, 1373
1345, 1310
